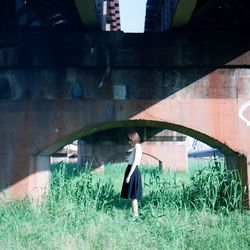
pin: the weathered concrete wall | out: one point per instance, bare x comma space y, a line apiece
54, 90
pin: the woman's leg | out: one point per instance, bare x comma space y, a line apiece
135, 207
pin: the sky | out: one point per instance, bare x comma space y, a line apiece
132, 14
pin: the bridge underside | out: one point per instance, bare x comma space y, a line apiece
86, 83
162, 15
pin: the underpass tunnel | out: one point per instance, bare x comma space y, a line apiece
164, 145
30, 16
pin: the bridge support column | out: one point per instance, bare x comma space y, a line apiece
39, 181
242, 164
28, 176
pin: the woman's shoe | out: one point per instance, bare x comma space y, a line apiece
135, 218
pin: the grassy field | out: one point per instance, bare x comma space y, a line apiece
200, 209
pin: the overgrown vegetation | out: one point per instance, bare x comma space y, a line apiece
201, 209
212, 187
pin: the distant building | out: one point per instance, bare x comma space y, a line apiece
110, 16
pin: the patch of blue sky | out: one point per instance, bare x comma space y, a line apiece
132, 14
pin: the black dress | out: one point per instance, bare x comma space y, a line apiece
133, 189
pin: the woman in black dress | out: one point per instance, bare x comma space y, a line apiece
132, 184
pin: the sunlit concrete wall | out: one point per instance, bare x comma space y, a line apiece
173, 155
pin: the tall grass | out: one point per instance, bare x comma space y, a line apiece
212, 187
81, 189
178, 211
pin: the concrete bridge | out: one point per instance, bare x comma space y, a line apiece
56, 87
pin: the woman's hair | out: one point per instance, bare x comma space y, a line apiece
134, 137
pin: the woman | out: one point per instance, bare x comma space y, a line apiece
132, 184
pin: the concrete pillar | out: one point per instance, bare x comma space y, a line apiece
39, 180
80, 145
231, 161
22, 181
243, 165
240, 163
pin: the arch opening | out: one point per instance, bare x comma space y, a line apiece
132, 124
233, 159
147, 129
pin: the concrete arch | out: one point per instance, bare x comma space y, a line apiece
228, 152
234, 159
41, 158
60, 124
50, 149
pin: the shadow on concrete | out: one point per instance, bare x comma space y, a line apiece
102, 60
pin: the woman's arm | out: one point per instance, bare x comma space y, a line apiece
136, 161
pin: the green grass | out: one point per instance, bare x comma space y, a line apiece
178, 211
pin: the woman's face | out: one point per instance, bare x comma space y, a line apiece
130, 142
